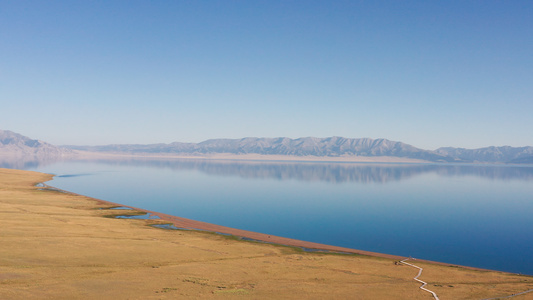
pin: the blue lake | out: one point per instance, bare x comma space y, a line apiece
474, 215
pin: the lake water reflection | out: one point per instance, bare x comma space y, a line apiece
475, 215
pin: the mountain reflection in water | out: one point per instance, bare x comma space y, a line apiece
475, 215
305, 171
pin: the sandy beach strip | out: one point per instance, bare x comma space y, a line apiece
62, 245
184, 223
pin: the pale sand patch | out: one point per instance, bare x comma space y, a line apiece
255, 157
59, 246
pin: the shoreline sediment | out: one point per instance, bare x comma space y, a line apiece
190, 224
61, 245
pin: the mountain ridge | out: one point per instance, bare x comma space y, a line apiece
14, 144
308, 146
492, 154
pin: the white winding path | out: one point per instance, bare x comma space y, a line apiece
422, 287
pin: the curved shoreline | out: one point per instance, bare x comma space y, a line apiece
58, 244
185, 223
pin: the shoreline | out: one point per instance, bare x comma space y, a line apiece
189, 224
256, 157
62, 245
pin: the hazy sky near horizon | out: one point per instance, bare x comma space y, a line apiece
427, 73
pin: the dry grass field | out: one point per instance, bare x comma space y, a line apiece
58, 245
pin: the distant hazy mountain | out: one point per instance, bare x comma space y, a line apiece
309, 146
505, 154
14, 144
523, 160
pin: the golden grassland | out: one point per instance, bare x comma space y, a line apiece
58, 245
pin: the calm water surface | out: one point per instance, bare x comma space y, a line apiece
475, 215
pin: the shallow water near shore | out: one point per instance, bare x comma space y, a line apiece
473, 215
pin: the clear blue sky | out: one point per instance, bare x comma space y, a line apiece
428, 73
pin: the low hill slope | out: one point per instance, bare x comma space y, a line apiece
14, 144
504, 154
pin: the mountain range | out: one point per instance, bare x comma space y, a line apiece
491, 154
309, 146
332, 147
14, 144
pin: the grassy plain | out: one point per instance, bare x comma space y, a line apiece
58, 245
